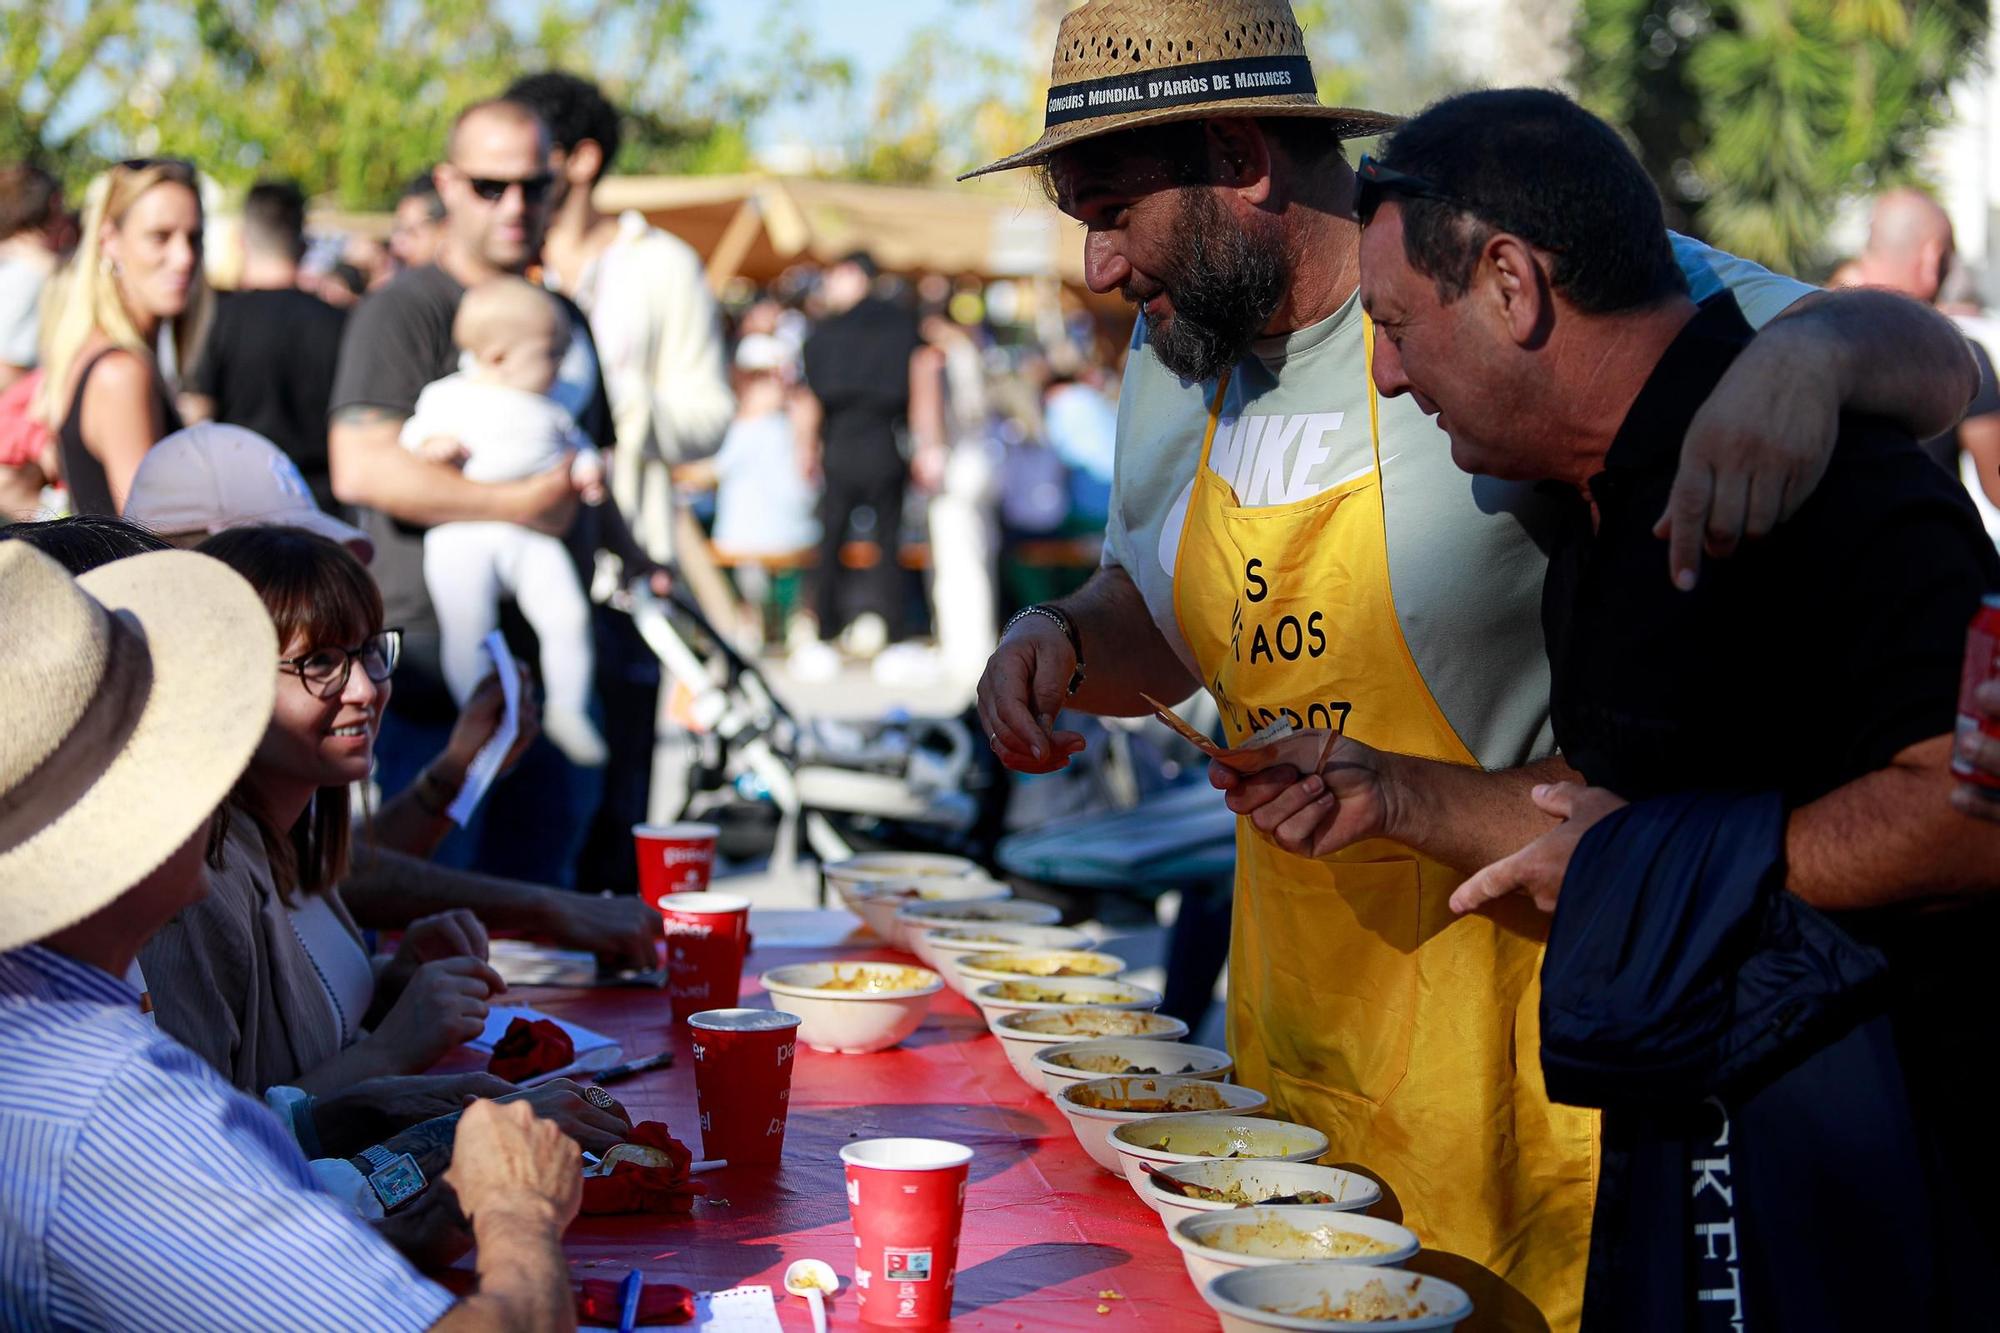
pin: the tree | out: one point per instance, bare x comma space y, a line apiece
353, 97
50, 52
1755, 117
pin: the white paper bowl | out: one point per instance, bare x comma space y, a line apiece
939, 947
1206, 1138
853, 1022
1024, 1033
880, 867
877, 902
920, 916
996, 999
1216, 1243
1260, 1180
1092, 1124
1243, 1300
1046, 964
1173, 1058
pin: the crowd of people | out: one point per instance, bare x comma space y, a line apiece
1606, 892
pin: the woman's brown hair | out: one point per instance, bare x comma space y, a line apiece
318, 594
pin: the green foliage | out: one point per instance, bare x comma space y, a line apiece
1755, 117
49, 53
349, 97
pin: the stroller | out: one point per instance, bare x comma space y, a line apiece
837, 788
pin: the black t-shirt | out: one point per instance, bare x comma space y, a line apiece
268, 364
1943, 449
1806, 660
857, 364
397, 341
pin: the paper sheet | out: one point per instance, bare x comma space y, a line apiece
485, 765
594, 1050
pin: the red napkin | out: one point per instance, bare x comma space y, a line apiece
529, 1048
633, 1187
659, 1303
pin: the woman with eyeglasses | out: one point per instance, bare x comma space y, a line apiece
268, 979
137, 271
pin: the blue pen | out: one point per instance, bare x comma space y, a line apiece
629, 1292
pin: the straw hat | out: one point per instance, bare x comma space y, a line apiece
131, 699
1120, 64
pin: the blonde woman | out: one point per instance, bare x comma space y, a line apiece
137, 270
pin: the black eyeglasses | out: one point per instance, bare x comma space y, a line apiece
493, 189
1373, 180
175, 166
325, 670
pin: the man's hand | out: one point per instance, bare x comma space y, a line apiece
507, 1160
1754, 451
1310, 812
623, 932
545, 502
1538, 869
1024, 686
561, 1102
1983, 753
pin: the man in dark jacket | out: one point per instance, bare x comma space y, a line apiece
1516, 264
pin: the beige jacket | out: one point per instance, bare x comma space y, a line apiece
231, 981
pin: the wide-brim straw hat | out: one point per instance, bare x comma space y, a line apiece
1120, 64
131, 699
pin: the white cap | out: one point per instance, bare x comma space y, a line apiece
214, 476
761, 351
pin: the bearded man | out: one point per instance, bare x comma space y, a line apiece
1307, 553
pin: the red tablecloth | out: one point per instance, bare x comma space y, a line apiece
1046, 1230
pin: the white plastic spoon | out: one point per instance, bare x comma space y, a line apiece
813, 1279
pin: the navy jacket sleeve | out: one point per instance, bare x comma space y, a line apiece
1678, 964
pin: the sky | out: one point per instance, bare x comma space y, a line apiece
869, 33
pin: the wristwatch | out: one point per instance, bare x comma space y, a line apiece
395, 1177
1064, 624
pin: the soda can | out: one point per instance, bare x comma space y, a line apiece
1982, 664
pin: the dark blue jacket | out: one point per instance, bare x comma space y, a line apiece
1762, 1169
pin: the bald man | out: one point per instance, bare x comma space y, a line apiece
496, 188
1910, 250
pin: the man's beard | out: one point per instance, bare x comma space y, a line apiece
1226, 287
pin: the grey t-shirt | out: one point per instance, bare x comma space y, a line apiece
1465, 562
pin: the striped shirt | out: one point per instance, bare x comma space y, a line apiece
140, 1191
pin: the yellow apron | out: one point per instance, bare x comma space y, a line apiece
1356, 1000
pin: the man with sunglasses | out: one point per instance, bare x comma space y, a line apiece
497, 189
1306, 553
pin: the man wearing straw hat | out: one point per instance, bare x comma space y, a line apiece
139, 1190
1307, 554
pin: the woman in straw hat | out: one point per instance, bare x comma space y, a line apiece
137, 270
1310, 555
141, 1191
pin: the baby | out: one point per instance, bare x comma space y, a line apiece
496, 421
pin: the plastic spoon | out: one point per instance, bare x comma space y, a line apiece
812, 1279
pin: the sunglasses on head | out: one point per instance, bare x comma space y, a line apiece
493, 189
1373, 181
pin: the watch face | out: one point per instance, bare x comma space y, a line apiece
398, 1183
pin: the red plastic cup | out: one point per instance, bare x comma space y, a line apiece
674, 858
907, 1197
743, 1082
707, 936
